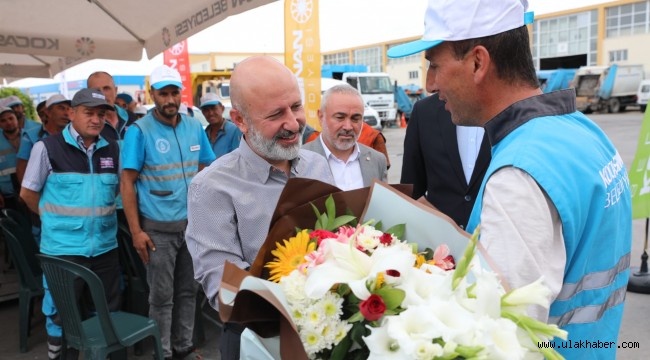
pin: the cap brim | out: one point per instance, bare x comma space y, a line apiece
411, 48
162, 84
59, 102
210, 103
14, 103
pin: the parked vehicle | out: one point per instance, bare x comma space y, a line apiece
551, 80
643, 94
614, 88
375, 88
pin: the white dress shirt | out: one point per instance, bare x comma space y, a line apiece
469, 145
347, 174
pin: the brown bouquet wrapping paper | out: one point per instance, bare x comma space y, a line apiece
259, 309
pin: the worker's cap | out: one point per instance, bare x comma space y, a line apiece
163, 76
56, 99
452, 20
4, 109
140, 110
91, 98
209, 99
12, 100
126, 97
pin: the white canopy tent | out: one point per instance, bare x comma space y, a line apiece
40, 38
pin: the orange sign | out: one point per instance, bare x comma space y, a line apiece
177, 57
302, 52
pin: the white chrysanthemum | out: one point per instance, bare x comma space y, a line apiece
340, 330
293, 287
312, 340
314, 316
331, 305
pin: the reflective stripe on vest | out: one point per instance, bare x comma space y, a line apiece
590, 313
594, 280
170, 166
8, 171
167, 177
78, 211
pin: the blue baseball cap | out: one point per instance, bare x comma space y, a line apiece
163, 76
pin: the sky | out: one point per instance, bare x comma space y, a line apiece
343, 24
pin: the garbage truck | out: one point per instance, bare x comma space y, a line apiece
376, 88
557, 79
610, 88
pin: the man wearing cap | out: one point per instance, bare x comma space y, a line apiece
58, 114
162, 152
9, 142
18, 107
230, 204
140, 112
353, 165
72, 181
223, 135
555, 201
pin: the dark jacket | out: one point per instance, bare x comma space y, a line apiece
432, 161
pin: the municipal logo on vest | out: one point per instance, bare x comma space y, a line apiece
106, 163
163, 146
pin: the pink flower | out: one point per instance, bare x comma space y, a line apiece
442, 259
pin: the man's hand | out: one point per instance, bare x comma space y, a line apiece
142, 243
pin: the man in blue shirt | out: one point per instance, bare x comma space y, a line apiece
18, 107
162, 153
9, 141
223, 135
72, 181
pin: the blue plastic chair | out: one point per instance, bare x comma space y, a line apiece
102, 334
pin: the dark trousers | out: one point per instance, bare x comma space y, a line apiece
230, 341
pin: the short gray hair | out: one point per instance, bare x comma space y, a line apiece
344, 88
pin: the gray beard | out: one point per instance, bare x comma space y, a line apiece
270, 149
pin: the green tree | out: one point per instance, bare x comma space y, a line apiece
30, 112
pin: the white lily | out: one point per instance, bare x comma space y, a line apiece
534, 293
382, 346
419, 285
345, 264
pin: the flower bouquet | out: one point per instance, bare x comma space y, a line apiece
348, 289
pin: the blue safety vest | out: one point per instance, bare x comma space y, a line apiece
7, 166
584, 176
78, 199
171, 160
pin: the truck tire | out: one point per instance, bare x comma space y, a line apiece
613, 106
642, 107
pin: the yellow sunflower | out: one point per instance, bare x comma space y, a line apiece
290, 256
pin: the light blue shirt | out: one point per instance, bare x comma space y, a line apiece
469, 145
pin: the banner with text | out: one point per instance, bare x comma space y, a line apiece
177, 57
302, 52
640, 172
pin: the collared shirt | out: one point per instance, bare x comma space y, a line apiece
27, 140
469, 145
39, 166
227, 139
347, 174
230, 205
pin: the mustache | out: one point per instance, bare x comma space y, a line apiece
346, 133
287, 134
